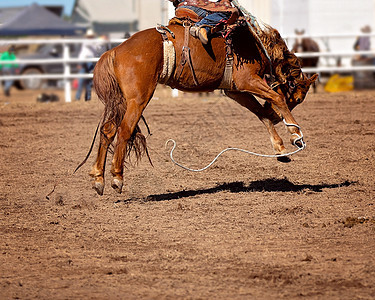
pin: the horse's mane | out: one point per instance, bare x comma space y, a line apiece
284, 62
273, 43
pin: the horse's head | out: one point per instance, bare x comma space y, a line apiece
295, 90
293, 83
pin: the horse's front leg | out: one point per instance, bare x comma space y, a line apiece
277, 142
251, 103
107, 134
258, 87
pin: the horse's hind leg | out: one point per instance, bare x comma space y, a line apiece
124, 133
107, 134
251, 103
137, 95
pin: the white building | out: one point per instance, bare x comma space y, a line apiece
316, 17
117, 17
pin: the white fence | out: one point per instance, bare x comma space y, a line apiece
66, 60
67, 76
329, 67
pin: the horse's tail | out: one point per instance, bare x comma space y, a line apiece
109, 92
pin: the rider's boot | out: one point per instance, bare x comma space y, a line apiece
199, 32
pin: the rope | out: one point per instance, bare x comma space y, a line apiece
299, 148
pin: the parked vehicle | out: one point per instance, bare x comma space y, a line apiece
44, 51
48, 51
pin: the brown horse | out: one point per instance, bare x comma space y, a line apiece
305, 44
125, 79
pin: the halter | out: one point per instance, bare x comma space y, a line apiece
287, 88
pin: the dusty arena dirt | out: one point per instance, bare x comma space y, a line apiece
247, 228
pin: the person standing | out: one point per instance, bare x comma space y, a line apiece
8, 69
89, 50
363, 43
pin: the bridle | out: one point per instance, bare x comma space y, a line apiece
290, 86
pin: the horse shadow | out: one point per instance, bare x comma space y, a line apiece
265, 185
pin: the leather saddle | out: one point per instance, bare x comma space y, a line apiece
184, 13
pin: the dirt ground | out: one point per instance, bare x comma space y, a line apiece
247, 228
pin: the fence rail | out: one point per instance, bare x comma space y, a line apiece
67, 76
66, 61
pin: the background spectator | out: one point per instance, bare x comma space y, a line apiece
89, 49
8, 69
363, 43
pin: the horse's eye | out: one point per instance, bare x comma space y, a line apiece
292, 85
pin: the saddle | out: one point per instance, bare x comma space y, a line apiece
185, 14
170, 56
186, 17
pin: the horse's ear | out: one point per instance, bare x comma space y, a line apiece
299, 32
313, 78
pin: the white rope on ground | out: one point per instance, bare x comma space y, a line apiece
298, 139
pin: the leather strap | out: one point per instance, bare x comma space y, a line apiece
186, 13
227, 81
185, 55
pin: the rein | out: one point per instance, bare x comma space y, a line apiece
295, 143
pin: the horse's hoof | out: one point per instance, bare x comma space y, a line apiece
98, 187
117, 185
284, 159
297, 141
